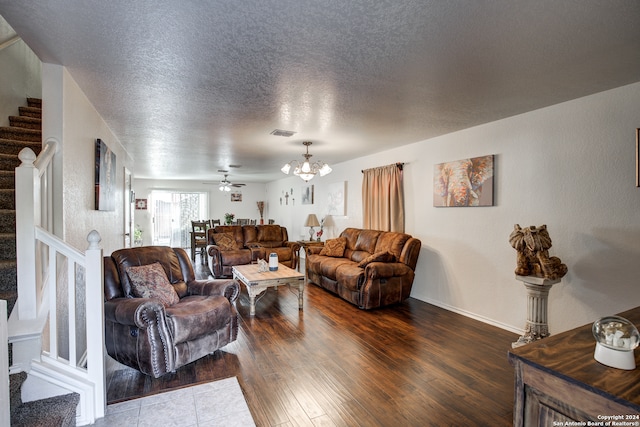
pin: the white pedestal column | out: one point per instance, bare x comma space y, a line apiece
537, 295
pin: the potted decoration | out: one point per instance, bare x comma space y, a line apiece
228, 218
261, 209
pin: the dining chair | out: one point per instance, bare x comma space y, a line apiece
199, 239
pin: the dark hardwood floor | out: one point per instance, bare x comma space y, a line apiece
332, 364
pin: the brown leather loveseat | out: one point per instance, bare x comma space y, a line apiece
158, 317
230, 245
368, 268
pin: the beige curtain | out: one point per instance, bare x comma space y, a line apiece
383, 198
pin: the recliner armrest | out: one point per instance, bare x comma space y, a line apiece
226, 288
139, 312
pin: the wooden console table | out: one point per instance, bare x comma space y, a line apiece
558, 380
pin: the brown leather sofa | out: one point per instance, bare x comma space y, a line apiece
375, 269
248, 243
156, 339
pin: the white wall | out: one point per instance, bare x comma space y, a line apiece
219, 202
69, 117
20, 75
570, 166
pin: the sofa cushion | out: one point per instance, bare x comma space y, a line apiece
197, 315
350, 276
225, 241
270, 236
329, 266
150, 281
334, 247
392, 242
377, 257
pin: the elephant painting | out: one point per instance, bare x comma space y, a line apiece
461, 183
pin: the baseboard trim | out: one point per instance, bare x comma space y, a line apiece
474, 316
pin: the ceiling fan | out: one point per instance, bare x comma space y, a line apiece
225, 184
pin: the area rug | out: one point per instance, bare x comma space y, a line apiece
217, 403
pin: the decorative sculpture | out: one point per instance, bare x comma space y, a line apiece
532, 244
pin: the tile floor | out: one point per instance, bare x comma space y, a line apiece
219, 403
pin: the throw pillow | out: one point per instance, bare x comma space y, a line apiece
225, 241
334, 247
377, 257
150, 281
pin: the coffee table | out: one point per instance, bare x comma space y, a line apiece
257, 282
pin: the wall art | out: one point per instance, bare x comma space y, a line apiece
236, 197
307, 194
105, 179
637, 157
336, 199
466, 182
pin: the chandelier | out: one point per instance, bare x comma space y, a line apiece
306, 170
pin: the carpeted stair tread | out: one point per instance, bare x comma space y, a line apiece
9, 162
7, 221
7, 198
7, 246
12, 146
9, 132
7, 179
8, 275
34, 102
53, 411
31, 112
25, 122
15, 384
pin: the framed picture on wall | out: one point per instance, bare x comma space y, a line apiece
307, 194
637, 157
466, 182
336, 199
105, 177
236, 197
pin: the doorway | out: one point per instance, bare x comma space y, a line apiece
172, 216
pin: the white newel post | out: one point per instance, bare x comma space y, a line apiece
537, 298
95, 322
28, 205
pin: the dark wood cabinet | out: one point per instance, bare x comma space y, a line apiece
558, 380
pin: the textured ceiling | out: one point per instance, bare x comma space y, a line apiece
190, 87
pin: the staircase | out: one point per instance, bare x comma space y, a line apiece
25, 130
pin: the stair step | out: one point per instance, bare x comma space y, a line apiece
7, 246
30, 112
8, 276
7, 221
34, 102
7, 198
21, 134
9, 162
25, 122
49, 412
7, 179
12, 146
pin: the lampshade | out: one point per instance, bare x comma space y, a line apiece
306, 170
312, 221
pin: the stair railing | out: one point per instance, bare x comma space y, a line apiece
58, 283
34, 207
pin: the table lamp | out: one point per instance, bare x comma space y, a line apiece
312, 221
616, 338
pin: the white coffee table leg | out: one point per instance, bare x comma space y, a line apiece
300, 295
252, 304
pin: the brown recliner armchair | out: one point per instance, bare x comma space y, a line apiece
158, 333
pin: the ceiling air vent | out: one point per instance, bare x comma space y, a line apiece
280, 132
